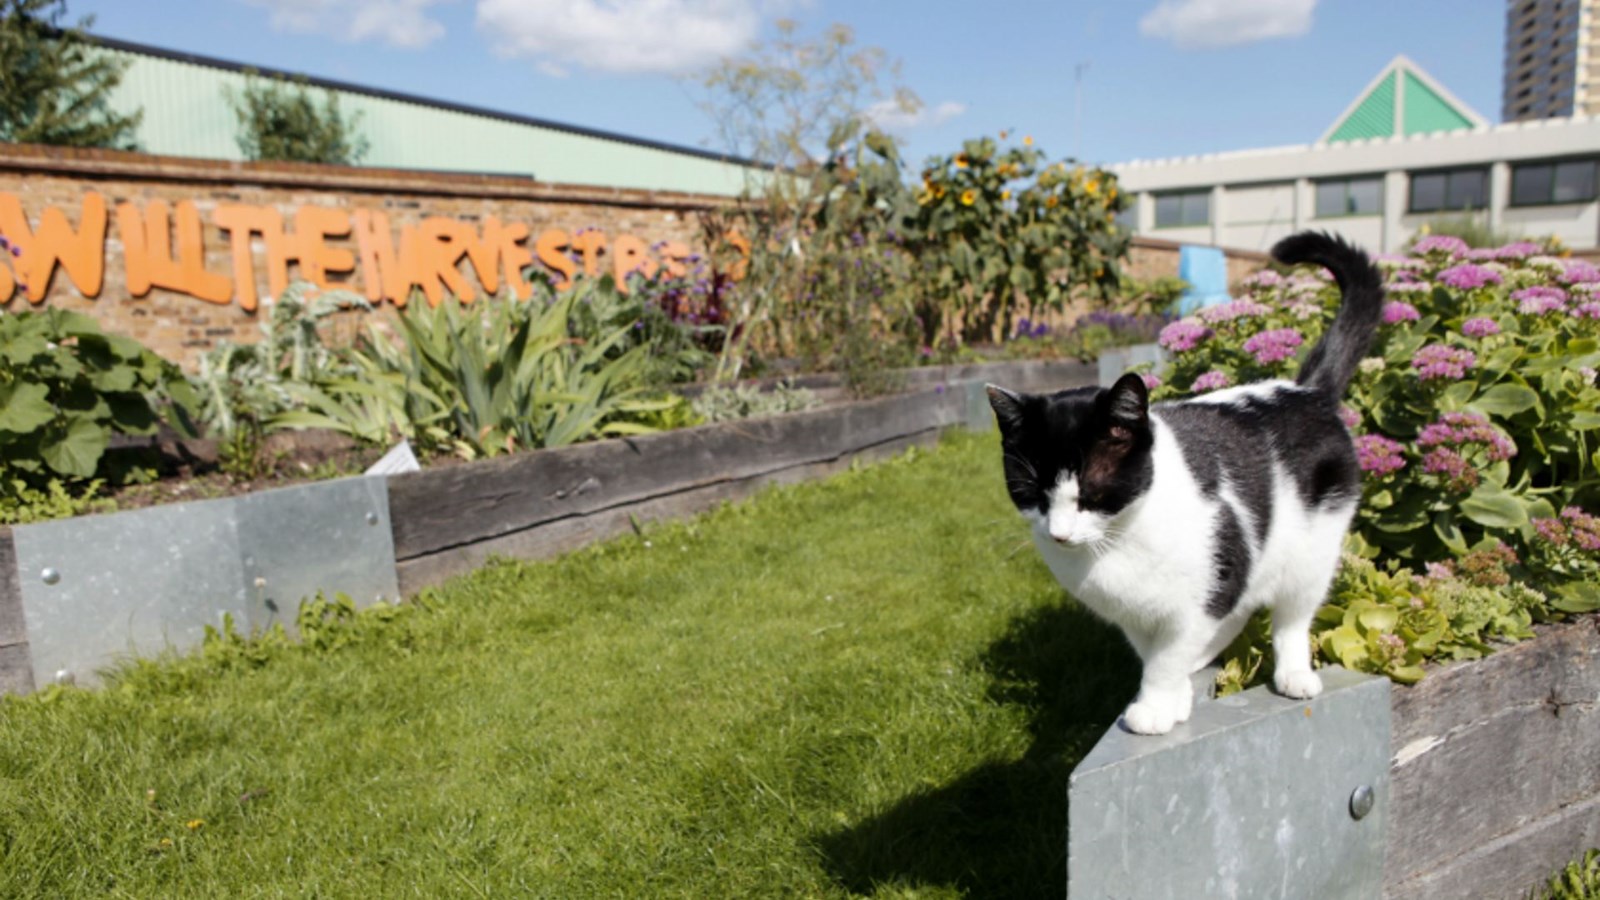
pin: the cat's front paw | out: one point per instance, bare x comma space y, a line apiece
1156, 715
1300, 685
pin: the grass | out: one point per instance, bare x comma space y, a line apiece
865, 686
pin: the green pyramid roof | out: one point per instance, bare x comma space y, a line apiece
1402, 100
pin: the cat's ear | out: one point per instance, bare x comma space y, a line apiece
1007, 407
1129, 401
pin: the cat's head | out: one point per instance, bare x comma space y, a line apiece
1076, 459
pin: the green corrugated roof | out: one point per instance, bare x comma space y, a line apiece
1426, 111
187, 113
1402, 100
1372, 117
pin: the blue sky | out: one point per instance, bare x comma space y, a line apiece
1163, 77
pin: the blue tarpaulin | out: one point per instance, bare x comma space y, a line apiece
1206, 271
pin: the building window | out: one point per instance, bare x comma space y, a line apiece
1183, 209
1449, 191
1350, 197
1572, 181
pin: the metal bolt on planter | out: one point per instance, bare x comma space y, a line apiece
50, 576
1361, 801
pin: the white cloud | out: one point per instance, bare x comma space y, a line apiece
1193, 24
890, 116
626, 36
399, 23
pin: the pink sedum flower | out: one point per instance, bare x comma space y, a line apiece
1540, 300
1273, 346
1184, 334
1235, 309
1480, 327
1459, 429
1452, 467
1441, 362
1211, 381
1379, 455
1151, 382
1396, 311
1440, 243
1468, 276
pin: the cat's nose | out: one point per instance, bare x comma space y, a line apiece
1060, 538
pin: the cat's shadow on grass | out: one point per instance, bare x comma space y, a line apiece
1000, 830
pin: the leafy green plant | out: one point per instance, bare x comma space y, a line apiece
1580, 880
21, 503
243, 388
66, 388
487, 379
995, 226
720, 403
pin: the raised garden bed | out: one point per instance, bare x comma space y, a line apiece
436, 523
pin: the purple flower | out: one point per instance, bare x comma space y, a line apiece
1480, 327
1273, 346
1587, 310
1349, 417
1441, 361
1584, 527
1151, 382
1439, 571
1439, 243
1182, 335
1459, 475
1211, 381
1518, 250
1399, 311
1380, 455
1467, 276
1227, 312
1263, 278
16, 250
1540, 299
1580, 270
1459, 429
1479, 253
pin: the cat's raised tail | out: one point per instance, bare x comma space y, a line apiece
1332, 362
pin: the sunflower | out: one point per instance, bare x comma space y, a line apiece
1027, 140
1051, 201
961, 161
969, 197
1005, 195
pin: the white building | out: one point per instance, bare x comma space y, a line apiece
1404, 153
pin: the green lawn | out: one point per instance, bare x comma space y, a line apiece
868, 685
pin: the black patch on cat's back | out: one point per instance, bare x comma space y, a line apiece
1230, 557
1219, 445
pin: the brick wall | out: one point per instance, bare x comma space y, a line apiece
183, 327
1154, 258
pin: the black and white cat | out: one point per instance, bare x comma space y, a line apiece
1177, 521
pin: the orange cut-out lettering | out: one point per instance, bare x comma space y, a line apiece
241, 222
135, 253
631, 255
511, 252
81, 252
313, 225
552, 250
381, 277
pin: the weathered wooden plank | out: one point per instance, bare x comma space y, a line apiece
13, 627
1513, 863
560, 536
1481, 749
450, 507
